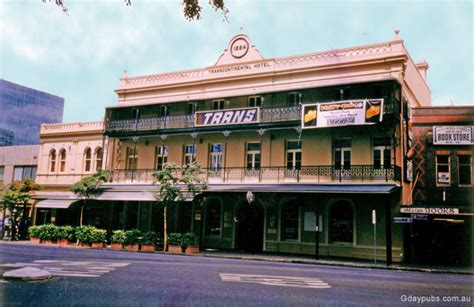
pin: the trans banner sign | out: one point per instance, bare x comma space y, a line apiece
342, 113
227, 117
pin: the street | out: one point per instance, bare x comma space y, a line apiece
86, 276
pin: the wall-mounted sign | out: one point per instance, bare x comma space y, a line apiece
227, 117
443, 177
453, 135
430, 210
342, 113
402, 220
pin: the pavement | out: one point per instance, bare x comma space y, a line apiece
301, 259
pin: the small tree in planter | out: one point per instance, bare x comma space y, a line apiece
66, 235
149, 241
190, 243
172, 179
49, 233
90, 187
118, 239
132, 239
98, 238
34, 233
174, 242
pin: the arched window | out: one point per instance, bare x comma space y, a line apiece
99, 153
290, 220
342, 222
52, 160
213, 217
87, 159
62, 160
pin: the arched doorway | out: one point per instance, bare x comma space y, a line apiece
249, 227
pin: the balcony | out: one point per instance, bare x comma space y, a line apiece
267, 115
307, 174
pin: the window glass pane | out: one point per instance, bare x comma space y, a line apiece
442, 159
464, 159
377, 161
213, 218
2, 170
290, 221
387, 160
341, 223
289, 160
253, 146
293, 145
17, 173
465, 174
381, 142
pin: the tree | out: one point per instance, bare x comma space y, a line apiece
90, 187
191, 8
172, 179
18, 194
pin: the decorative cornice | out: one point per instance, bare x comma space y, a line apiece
71, 129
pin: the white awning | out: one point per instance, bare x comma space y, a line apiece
55, 203
126, 196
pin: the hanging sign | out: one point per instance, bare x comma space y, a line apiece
412, 210
342, 113
227, 117
453, 135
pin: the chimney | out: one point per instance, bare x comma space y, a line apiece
423, 68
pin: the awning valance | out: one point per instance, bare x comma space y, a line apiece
306, 188
55, 203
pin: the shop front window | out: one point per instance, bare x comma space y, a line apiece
213, 217
290, 221
342, 222
465, 169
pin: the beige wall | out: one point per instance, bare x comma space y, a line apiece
11, 156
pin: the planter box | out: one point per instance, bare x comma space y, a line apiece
63, 242
132, 247
35, 240
175, 249
98, 245
47, 242
192, 250
83, 244
147, 248
116, 246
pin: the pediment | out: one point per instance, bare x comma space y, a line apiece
240, 50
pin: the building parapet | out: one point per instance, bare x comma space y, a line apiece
71, 128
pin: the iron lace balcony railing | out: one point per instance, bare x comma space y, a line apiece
306, 174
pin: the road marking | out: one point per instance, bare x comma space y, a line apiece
72, 268
282, 281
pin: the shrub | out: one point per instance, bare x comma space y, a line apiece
132, 236
118, 236
84, 233
175, 238
189, 239
66, 233
98, 235
34, 232
48, 232
150, 238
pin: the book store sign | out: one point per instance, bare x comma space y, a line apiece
443, 211
342, 113
227, 117
453, 135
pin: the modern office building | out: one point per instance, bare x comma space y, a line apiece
440, 228
23, 110
303, 154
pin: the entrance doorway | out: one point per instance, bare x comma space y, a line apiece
249, 229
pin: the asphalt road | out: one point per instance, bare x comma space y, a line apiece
85, 276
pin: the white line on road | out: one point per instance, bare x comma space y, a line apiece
282, 281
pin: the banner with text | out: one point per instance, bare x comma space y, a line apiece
342, 113
227, 117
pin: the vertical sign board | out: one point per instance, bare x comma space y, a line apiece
342, 113
453, 135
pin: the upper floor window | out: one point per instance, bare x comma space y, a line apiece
87, 159
215, 159
443, 169
132, 158
294, 98
218, 104
52, 160
190, 108
2, 172
293, 155
161, 156
253, 156
24, 172
255, 101
342, 153
99, 155
62, 160
189, 154
465, 169
381, 153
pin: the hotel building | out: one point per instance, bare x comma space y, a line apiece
303, 154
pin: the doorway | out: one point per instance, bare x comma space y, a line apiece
249, 227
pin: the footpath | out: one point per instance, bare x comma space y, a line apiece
299, 259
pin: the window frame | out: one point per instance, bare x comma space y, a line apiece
469, 167
218, 203
331, 224
218, 104
217, 156
190, 155
99, 158
341, 150
294, 152
255, 99
87, 160
297, 100
52, 161
254, 154
284, 221
437, 164
132, 153
161, 153
62, 160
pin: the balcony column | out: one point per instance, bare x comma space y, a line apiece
260, 132
226, 134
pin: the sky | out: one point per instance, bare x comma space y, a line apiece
81, 55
